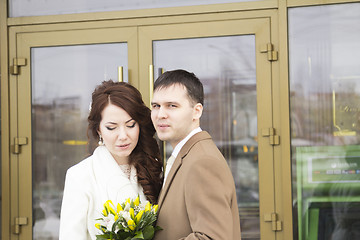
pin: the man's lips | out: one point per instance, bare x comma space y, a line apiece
163, 126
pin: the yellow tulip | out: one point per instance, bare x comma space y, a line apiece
156, 208
105, 213
131, 211
138, 216
111, 210
136, 201
119, 208
108, 207
131, 224
128, 201
98, 226
147, 207
108, 202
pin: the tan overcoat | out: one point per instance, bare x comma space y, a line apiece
198, 200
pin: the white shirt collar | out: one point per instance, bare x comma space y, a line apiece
176, 151
182, 142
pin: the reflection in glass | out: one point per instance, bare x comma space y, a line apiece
63, 79
226, 67
21, 8
324, 46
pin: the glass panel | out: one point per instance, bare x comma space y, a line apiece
226, 67
63, 79
21, 8
324, 45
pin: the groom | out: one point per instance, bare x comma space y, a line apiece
198, 199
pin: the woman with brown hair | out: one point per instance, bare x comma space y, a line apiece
125, 164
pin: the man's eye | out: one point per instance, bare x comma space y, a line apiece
173, 106
155, 105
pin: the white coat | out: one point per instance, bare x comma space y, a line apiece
88, 185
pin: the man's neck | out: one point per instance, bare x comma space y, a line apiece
177, 147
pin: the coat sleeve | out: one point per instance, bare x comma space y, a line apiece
74, 209
208, 195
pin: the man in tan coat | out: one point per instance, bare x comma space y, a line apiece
198, 199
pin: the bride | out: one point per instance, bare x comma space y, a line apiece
125, 164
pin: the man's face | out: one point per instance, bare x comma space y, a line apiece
173, 114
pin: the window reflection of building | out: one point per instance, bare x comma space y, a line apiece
230, 115
344, 217
59, 141
324, 86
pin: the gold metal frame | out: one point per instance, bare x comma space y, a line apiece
5, 131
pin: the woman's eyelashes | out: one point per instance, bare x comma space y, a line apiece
129, 125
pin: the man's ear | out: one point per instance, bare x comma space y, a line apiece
198, 109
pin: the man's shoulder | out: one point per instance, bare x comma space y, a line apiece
204, 159
202, 138
201, 144
198, 138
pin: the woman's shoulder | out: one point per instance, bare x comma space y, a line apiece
91, 165
81, 168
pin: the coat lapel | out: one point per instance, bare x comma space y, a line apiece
178, 162
175, 167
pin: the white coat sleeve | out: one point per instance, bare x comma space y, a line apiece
75, 207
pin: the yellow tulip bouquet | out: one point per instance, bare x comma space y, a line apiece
131, 220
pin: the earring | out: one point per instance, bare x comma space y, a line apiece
101, 142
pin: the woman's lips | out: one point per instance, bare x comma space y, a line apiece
123, 146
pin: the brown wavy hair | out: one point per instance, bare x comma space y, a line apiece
146, 155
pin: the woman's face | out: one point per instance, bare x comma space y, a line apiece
119, 131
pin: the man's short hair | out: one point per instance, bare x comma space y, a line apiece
192, 84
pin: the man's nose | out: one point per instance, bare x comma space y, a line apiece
162, 113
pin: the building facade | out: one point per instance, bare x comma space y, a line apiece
282, 101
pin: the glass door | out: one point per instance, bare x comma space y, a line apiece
50, 99
324, 82
227, 58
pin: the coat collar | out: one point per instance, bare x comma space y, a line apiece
178, 162
116, 186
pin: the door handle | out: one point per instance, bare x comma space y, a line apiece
151, 81
120, 74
